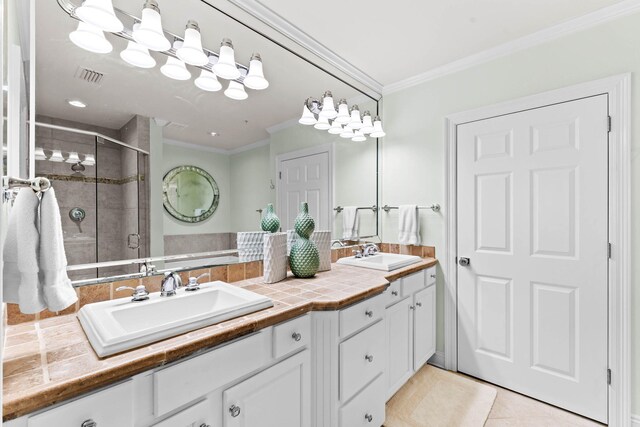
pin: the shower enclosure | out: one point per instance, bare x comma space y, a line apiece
102, 190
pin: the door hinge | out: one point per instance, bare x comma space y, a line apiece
608, 123
609, 250
609, 376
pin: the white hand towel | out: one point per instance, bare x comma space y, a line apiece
350, 223
58, 291
20, 276
408, 225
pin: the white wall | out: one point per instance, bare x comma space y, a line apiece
413, 152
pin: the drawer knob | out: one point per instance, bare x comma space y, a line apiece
394, 293
368, 417
369, 358
433, 276
369, 313
204, 425
234, 411
419, 304
411, 307
89, 423
297, 336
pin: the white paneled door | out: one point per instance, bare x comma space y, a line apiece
533, 253
304, 179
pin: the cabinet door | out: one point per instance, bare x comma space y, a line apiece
399, 332
424, 326
277, 397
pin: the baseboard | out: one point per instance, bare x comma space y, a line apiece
438, 360
635, 420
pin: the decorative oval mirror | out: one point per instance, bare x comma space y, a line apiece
190, 194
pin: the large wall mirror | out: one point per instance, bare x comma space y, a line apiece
107, 133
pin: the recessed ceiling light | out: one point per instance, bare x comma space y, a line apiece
213, 133
76, 103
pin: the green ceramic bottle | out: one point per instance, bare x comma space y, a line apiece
304, 259
270, 221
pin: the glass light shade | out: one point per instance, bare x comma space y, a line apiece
336, 128
149, 34
91, 38
137, 55
355, 122
358, 136
322, 124
307, 117
89, 160
100, 13
236, 91
377, 129
208, 81
191, 50
347, 133
226, 65
343, 113
56, 156
367, 124
175, 68
328, 109
255, 79
73, 157
39, 154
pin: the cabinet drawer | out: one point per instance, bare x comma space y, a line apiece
196, 415
413, 283
110, 407
431, 275
392, 294
362, 358
186, 381
360, 315
367, 408
291, 335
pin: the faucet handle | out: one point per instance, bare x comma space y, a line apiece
193, 282
140, 292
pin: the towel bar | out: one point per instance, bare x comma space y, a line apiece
435, 207
9, 184
374, 208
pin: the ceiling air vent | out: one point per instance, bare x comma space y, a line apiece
89, 76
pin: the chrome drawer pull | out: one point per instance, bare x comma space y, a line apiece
369, 358
89, 423
419, 304
368, 417
368, 313
394, 293
296, 336
234, 411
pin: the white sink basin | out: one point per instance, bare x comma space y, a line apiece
381, 261
119, 325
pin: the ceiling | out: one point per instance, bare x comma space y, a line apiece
393, 40
192, 113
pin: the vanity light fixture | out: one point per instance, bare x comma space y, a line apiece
56, 156
255, 79
76, 103
358, 136
89, 160
355, 122
236, 91
336, 128
328, 110
150, 34
137, 55
347, 133
226, 66
91, 38
343, 112
73, 158
367, 125
377, 128
100, 13
174, 68
208, 81
39, 154
307, 116
322, 124
191, 49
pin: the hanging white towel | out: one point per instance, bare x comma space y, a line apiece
350, 223
20, 274
408, 225
58, 291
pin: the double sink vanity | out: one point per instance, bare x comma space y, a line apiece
326, 351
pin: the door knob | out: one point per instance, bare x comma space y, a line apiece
394, 293
297, 336
368, 417
464, 262
369, 313
234, 411
369, 358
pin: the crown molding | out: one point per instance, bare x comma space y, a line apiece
248, 147
571, 26
191, 146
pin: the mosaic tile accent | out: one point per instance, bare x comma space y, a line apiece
94, 180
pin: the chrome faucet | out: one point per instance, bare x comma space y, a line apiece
140, 293
170, 284
339, 242
193, 282
370, 249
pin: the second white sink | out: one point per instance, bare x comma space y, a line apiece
119, 325
381, 261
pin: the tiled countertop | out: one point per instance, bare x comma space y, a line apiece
49, 361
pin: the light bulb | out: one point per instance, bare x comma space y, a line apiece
236, 91
175, 68
208, 81
343, 112
150, 34
191, 50
355, 122
137, 55
367, 125
91, 38
100, 13
336, 128
307, 116
347, 133
89, 160
328, 110
226, 65
377, 128
322, 123
255, 79
358, 136
39, 154
56, 156
73, 158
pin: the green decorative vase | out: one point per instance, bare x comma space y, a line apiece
270, 221
304, 259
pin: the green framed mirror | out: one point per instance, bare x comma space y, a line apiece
190, 194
